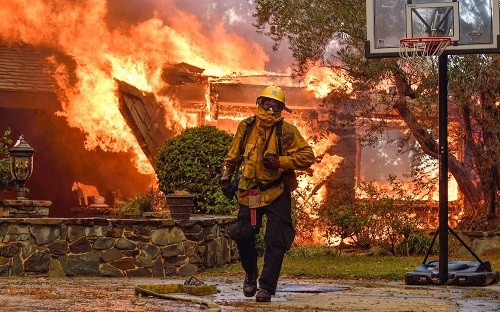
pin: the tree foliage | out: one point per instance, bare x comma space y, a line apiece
192, 161
332, 33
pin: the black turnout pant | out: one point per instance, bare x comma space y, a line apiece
278, 238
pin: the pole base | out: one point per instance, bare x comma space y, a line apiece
460, 273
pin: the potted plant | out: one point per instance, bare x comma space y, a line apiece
180, 204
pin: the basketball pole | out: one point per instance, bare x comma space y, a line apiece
443, 167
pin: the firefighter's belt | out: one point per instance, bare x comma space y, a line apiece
261, 187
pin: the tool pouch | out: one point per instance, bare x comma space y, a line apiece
254, 199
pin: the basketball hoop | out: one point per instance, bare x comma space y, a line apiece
411, 48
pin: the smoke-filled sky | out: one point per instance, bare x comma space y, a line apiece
234, 15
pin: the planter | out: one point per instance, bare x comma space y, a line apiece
181, 206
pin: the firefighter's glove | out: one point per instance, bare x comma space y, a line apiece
271, 162
225, 186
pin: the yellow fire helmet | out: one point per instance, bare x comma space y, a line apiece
275, 93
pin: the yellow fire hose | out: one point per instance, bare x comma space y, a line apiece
167, 291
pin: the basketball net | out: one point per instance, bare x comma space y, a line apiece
418, 53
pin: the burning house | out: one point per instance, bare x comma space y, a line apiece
30, 104
96, 89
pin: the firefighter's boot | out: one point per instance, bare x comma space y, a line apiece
250, 285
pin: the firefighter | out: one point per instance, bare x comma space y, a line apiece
268, 150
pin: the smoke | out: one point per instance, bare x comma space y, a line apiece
234, 16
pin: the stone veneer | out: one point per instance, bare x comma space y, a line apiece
114, 247
479, 242
24, 208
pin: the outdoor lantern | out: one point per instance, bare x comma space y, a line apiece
21, 165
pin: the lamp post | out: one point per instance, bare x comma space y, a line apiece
21, 165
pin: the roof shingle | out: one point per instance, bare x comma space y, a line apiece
26, 68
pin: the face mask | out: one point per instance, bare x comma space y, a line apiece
268, 117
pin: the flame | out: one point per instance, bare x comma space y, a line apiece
135, 54
322, 80
412, 190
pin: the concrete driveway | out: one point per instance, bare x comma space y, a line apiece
118, 294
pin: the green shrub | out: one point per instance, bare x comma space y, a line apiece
302, 219
379, 219
192, 161
341, 217
153, 200
135, 206
416, 244
5, 176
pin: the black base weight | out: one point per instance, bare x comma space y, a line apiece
460, 273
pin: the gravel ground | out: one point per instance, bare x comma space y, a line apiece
118, 294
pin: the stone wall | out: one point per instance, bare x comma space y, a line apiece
481, 243
24, 208
114, 247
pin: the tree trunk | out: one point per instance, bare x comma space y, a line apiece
472, 194
491, 199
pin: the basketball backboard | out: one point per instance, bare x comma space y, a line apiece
472, 25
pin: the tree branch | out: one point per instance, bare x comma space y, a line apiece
472, 193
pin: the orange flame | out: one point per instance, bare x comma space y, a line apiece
322, 80
136, 56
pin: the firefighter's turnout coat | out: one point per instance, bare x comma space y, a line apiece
263, 140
